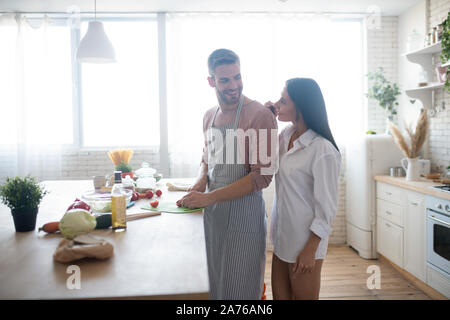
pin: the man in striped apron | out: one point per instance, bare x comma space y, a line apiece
234, 216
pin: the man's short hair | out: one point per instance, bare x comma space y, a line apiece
220, 57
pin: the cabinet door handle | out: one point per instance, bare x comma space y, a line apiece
414, 204
389, 193
387, 225
390, 213
447, 208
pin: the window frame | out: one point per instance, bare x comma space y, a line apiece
78, 132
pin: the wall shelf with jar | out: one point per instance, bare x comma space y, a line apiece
425, 57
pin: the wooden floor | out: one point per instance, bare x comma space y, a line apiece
344, 276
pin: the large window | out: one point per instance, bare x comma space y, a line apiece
272, 48
120, 101
36, 85
50, 98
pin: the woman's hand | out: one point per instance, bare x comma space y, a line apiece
195, 199
305, 262
273, 107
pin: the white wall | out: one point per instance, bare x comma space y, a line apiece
382, 51
414, 18
439, 139
423, 17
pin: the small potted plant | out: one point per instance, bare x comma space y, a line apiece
23, 197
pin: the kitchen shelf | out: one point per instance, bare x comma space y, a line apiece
425, 94
424, 57
425, 88
434, 48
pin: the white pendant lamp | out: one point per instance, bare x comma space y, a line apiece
95, 47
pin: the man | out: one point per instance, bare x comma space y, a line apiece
234, 218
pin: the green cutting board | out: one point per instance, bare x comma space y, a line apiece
170, 207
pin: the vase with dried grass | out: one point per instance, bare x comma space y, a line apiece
411, 150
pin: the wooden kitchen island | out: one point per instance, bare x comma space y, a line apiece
160, 257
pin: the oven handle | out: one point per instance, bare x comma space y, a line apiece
438, 220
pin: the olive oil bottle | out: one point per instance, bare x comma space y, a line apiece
118, 204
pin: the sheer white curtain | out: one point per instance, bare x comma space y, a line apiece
36, 99
273, 48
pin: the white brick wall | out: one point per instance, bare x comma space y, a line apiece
84, 164
439, 138
339, 232
382, 51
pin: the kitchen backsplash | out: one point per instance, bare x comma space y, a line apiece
439, 138
84, 164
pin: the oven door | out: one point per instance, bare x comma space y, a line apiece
438, 240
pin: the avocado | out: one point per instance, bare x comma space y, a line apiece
104, 221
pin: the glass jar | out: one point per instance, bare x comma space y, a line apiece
128, 183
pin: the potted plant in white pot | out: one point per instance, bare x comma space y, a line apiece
22, 196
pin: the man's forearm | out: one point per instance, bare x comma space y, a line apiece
233, 191
203, 171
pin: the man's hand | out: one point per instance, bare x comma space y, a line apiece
200, 185
195, 199
274, 107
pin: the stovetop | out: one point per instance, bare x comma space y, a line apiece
445, 188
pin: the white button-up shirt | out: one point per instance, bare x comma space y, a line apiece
306, 193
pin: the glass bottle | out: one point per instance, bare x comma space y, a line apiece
118, 204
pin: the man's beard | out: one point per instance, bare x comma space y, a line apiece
227, 99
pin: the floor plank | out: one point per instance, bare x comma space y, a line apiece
344, 277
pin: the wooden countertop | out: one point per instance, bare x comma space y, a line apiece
421, 186
160, 257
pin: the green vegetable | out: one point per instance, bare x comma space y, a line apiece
76, 222
124, 167
104, 221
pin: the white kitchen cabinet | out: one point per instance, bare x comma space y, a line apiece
401, 228
415, 235
390, 241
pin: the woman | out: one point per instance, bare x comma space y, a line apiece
306, 191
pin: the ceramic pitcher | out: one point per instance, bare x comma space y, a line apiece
411, 167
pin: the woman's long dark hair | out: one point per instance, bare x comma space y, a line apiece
308, 100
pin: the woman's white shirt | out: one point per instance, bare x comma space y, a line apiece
306, 193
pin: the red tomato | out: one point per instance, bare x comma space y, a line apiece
158, 193
78, 204
154, 204
149, 194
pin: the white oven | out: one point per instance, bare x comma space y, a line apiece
438, 235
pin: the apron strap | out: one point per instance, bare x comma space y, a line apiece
214, 118
238, 112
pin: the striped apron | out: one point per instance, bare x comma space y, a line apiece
235, 232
